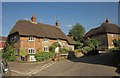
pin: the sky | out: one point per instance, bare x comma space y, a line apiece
88, 14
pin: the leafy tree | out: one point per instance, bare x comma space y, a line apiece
9, 52
77, 32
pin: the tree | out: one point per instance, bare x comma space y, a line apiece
93, 43
77, 32
9, 52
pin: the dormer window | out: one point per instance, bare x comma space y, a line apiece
31, 38
46, 39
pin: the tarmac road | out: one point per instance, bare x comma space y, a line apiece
98, 65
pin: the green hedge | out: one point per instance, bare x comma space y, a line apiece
42, 56
63, 50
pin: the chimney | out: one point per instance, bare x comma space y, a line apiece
57, 24
107, 20
33, 19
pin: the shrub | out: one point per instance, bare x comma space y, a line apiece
9, 52
53, 46
63, 50
42, 56
86, 49
116, 43
93, 43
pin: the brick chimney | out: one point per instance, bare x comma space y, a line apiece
57, 24
33, 19
107, 20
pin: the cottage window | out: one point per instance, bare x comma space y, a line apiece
31, 38
31, 51
45, 39
46, 49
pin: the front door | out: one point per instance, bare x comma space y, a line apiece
32, 58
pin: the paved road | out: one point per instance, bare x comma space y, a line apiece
99, 65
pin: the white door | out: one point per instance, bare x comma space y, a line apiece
32, 58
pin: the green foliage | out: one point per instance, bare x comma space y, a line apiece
63, 50
86, 49
53, 46
9, 52
42, 56
78, 45
92, 43
23, 52
116, 43
1, 54
77, 32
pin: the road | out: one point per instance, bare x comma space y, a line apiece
98, 65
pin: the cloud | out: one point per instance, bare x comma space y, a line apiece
26, 18
69, 25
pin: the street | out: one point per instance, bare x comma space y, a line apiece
97, 65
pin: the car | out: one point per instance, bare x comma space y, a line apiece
4, 71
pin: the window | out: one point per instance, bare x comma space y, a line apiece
46, 39
31, 51
31, 38
46, 49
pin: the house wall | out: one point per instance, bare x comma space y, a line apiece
111, 37
38, 44
102, 38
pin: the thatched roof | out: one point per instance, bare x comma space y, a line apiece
26, 28
106, 27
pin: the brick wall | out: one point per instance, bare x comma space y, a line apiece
111, 37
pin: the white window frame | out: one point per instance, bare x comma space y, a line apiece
46, 49
31, 51
45, 39
31, 38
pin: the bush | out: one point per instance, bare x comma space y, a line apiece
86, 49
92, 43
12, 58
42, 56
9, 53
53, 46
116, 43
63, 50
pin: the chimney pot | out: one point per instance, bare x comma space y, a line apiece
33, 18
107, 20
57, 24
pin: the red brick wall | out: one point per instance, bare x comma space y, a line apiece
111, 37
